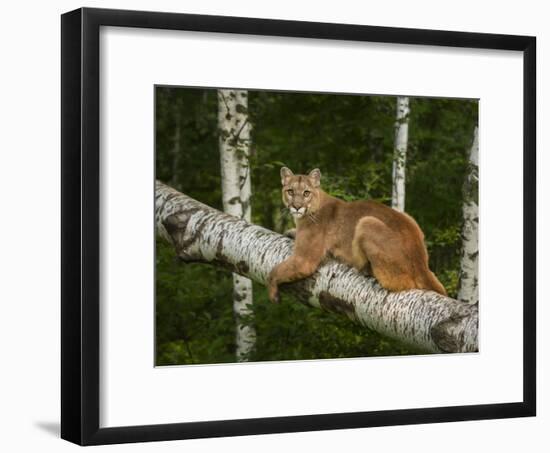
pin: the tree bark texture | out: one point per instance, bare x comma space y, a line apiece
468, 291
425, 320
234, 143
400, 153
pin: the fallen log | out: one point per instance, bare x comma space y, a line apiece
425, 320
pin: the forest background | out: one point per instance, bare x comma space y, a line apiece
351, 138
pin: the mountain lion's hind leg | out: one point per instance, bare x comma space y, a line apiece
358, 256
381, 248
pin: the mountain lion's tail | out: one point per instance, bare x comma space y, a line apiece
431, 282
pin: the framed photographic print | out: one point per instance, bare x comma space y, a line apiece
275, 226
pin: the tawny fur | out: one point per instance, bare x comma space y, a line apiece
367, 235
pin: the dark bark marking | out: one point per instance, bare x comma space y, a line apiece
193, 236
219, 248
334, 304
173, 226
242, 267
221, 264
176, 227
442, 337
184, 258
332, 277
299, 289
237, 297
444, 333
241, 108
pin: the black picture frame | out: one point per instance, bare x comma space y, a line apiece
80, 264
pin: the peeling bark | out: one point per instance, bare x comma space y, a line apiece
400, 154
425, 320
468, 291
234, 142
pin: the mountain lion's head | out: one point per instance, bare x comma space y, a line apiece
301, 192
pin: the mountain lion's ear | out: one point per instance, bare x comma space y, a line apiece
286, 173
315, 176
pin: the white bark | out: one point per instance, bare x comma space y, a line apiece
468, 291
234, 142
425, 320
400, 153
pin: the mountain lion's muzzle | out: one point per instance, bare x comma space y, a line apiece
297, 212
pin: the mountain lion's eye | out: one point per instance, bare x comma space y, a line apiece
307, 193
290, 192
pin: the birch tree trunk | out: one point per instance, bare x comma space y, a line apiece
400, 154
425, 320
468, 291
234, 142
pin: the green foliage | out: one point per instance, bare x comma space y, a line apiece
292, 331
191, 323
350, 138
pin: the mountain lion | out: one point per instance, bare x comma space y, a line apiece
367, 235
